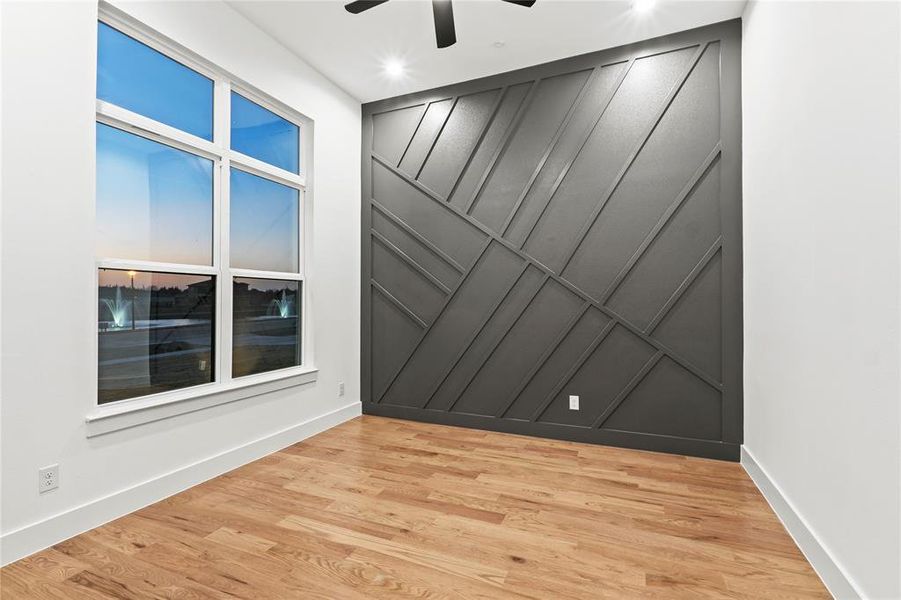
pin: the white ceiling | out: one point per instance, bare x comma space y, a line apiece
351, 50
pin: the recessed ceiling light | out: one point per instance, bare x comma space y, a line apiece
499, 44
394, 68
643, 6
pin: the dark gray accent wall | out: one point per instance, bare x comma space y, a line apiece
571, 228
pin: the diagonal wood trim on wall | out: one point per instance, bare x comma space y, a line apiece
568, 229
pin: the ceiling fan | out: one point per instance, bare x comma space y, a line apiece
445, 32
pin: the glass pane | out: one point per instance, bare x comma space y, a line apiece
142, 80
264, 135
153, 202
264, 224
267, 325
155, 332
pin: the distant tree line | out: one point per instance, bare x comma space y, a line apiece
195, 301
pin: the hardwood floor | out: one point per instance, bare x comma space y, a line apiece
380, 508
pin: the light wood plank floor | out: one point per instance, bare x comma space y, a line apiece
381, 508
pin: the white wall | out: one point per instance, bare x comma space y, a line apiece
821, 274
48, 82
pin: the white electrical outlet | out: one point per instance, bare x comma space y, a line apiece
573, 403
48, 478
341, 389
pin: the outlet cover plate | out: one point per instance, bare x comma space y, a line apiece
48, 478
573, 403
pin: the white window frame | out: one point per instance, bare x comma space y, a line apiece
103, 418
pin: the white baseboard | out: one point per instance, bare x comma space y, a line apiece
834, 577
32, 538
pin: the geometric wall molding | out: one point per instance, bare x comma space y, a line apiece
571, 228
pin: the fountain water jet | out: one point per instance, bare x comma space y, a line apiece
118, 308
282, 306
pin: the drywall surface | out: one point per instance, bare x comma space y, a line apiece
821, 289
571, 229
48, 311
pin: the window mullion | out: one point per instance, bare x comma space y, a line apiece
265, 170
120, 118
258, 274
156, 267
305, 216
222, 132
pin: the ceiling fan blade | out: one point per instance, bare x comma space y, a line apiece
445, 32
526, 3
361, 5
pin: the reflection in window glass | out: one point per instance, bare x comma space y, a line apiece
153, 202
264, 135
155, 332
267, 327
264, 224
138, 78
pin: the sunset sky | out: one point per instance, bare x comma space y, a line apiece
143, 279
155, 202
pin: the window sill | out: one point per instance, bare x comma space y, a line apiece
131, 413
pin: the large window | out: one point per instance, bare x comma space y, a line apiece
200, 224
